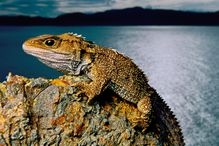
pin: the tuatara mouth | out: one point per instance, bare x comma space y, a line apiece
46, 54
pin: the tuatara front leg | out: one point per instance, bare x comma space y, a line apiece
93, 88
90, 90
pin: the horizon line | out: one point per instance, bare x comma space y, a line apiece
90, 13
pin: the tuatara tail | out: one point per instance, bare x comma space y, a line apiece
167, 121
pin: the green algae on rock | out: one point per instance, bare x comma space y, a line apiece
47, 112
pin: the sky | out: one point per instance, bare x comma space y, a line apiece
53, 8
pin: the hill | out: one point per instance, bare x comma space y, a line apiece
129, 16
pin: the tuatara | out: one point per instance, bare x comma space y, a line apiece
105, 68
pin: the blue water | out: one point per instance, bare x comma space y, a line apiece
182, 63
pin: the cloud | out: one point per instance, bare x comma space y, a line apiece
53, 8
101, 5
203, 5
45, 8
83, 5
42, 5
183, 4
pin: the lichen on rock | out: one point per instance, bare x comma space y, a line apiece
47, 112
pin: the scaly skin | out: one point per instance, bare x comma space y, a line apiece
105, 67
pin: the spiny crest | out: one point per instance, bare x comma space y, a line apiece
76, 35
114, 50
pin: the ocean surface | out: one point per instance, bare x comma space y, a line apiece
182, 64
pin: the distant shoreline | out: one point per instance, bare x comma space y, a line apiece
124, 17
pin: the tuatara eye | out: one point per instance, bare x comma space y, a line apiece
50, 42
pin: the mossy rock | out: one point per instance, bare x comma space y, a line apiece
47, 112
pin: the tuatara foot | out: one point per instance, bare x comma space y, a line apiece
84, 90
144, 105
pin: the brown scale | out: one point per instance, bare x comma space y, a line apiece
105, 67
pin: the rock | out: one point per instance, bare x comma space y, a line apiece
47, 112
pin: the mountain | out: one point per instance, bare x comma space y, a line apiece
129, 16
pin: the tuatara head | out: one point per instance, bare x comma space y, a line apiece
68, 52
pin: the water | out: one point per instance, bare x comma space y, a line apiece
182, 63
